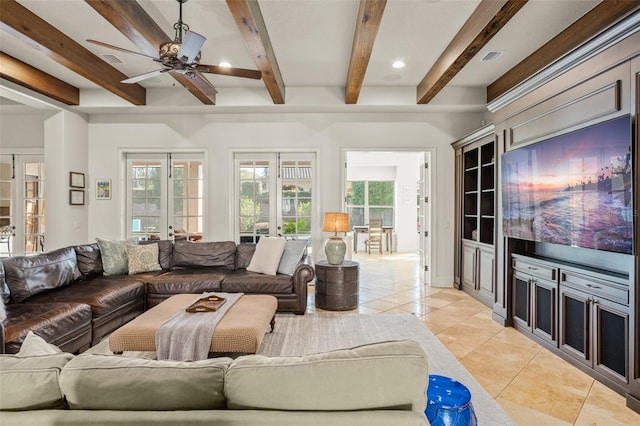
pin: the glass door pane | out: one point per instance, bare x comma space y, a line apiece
147, 192
296, 198
187, 199
6, 205
34, 208
254, 203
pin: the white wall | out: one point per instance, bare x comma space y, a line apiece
65, 151
327, 133
21, 131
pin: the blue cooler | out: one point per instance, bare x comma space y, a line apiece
449, 403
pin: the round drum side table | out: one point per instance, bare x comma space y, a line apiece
337, 285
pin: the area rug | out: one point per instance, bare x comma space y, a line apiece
301, 335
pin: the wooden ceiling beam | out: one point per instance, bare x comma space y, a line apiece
249, 19
368, 22
136, 24
32, 78
19, 21
489, 17
593, 22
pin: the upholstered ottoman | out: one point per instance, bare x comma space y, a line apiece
241, 330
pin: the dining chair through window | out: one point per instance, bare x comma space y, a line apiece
6, 232
375, 235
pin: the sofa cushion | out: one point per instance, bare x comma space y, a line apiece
104, 294
89, 260
267, 256
252, 282
31, 383
187, 254
5, 294
165, 251
34, 345
244, 253
197, 280
107, 382
387, 375
293, 251
56, 323
114, 256
143, 259
30, 275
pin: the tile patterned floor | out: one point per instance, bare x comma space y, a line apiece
532, 384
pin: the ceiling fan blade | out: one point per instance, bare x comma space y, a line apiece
144, 76
235, 72
190, 47
99, 43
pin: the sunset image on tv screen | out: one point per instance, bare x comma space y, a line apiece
574, 189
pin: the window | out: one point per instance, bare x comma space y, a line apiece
370, 200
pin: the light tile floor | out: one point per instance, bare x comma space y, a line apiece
532, 384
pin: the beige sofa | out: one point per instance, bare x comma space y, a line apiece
377, 384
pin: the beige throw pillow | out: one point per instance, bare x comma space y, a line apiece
143, 259
34, 345
267, 256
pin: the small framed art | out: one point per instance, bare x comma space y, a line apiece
76, 180
103, 189
76, 197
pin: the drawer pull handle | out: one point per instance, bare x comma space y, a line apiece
593, 286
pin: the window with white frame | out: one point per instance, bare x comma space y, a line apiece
370, 200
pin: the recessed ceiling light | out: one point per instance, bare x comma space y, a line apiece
398, 64
224, 64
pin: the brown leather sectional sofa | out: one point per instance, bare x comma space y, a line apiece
64, 297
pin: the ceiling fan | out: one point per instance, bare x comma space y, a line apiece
182, 55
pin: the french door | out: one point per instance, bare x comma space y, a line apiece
424, 223
165, 196
22, 204
274, 195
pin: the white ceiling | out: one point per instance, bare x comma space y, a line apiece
311, 39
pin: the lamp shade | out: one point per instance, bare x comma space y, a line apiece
336, 222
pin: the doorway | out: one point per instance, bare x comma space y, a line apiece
166, 196
274, 195
394, 186
22, 204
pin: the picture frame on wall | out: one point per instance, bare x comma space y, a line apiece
103, 189
76, 197
76, 180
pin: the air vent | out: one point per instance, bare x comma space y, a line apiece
112, 59
491, 56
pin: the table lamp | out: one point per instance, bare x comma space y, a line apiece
335, 247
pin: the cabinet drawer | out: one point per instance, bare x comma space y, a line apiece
537, 269
598, 287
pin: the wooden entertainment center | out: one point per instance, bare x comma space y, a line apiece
582, 304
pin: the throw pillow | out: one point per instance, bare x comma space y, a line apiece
34, 345
267, 256
143, 259
3, 311
114, 256
89, 260
292, 254
5, 294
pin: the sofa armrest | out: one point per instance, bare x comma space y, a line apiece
303, 273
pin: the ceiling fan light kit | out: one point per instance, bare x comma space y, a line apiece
182, 55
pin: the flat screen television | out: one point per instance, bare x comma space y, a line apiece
573, 189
